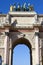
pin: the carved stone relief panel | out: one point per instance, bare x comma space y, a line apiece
2, 36
2, 21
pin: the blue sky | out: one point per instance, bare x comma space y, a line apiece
5, 5
21, 55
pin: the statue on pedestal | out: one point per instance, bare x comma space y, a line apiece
18, 8
14, 7
22, 8
11, 8
31, 8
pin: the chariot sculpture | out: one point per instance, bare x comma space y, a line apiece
21, 8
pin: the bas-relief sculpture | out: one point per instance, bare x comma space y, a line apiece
21, 27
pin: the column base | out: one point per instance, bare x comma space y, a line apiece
5, 64
37, 64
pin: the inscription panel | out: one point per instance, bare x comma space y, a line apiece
23, 20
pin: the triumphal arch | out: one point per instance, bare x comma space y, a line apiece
25, 27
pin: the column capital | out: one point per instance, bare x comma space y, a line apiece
36, 33
37, 64
7, 32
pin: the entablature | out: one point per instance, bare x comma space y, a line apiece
21, 20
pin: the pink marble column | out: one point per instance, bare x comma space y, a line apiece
10, 52
6, 44
37, 48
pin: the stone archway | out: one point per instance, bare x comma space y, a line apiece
23, 41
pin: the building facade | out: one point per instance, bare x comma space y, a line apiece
21, 27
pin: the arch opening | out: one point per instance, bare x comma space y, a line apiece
22, 41
0, 60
